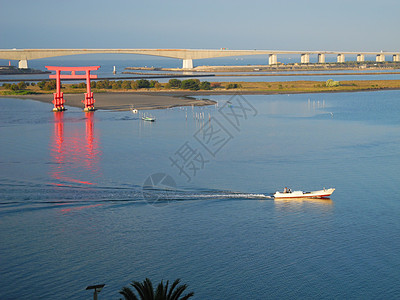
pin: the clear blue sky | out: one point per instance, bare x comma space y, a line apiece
277, 25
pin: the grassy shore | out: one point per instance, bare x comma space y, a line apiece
163, 97
281, 87
317, 86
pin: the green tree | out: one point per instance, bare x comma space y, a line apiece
82, 85
21, 85
50, 85
143, 84
175, 83
153, 83
41, 84
205, 85
331, 83
116, 85
134, 85
233, 86
126, 85
105, 83
146, 291
190, 84
100, 84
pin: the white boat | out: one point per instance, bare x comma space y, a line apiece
288, 194
149, 119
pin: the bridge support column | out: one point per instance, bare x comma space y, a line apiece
305, 58
360, 57
321, 58
272, 59
187, 64
23, 64
340, 58
380, 58
396, 57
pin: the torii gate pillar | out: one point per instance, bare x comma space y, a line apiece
58, 100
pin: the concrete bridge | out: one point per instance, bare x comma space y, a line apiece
188, 55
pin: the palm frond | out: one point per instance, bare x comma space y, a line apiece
160, 295
148, 289
178, 292
139, 288
187, 296
128, 294
173, 286
166, 289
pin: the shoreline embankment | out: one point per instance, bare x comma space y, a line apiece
147, 99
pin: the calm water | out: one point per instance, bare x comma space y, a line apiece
72, 211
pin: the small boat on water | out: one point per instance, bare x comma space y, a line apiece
149, 119
288, 194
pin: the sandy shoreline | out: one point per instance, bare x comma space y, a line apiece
147, 100
123, 101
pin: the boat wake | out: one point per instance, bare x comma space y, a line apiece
29, 196
174, 195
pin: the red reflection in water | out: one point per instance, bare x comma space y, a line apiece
68, 210
75, 152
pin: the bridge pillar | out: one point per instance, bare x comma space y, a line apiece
360, 57
380, 58
305, 58
272, 59
321, 58
23, 64
396, 57
187, 64
340, 58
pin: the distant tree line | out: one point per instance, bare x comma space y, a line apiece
17, 86
188, 84
126, 84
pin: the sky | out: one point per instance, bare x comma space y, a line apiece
337, 25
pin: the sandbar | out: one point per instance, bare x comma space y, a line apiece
123, 101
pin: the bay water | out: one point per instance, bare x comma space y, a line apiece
74, 211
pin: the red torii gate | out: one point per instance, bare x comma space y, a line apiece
58, 100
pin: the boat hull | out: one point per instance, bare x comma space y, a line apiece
325, 193
148, 119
